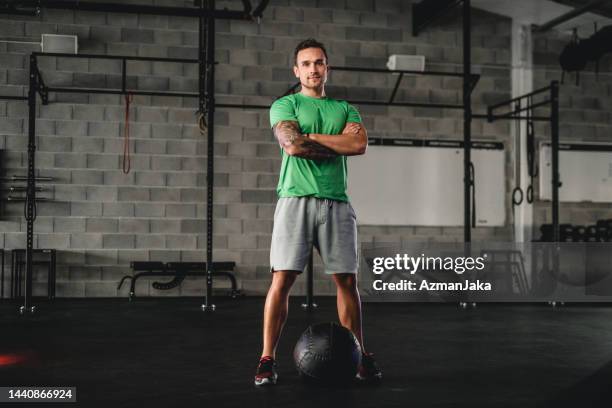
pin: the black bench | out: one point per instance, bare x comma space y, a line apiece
179, 270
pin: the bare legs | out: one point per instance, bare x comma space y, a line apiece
349, 304
276, 309
277, 306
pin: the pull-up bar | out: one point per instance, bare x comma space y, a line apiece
44, 90
519, 99
490, 115
14, 98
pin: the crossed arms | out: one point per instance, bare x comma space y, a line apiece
352, 141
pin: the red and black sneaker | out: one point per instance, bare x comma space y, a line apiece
369, 370
266, 371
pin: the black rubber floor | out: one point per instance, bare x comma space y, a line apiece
167, 352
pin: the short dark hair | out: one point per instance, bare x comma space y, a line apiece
309, 43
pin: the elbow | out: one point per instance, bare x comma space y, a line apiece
361, 148
362, 144
291, 150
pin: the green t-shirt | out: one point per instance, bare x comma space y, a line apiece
301, 177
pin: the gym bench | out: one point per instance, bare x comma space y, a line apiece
179, 270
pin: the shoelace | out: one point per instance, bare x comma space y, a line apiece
264, 360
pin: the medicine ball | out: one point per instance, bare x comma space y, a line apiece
327, 352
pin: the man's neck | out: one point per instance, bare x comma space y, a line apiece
313, 93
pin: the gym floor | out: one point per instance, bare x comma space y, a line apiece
162, 352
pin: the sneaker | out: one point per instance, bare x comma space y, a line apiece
266, 371
369, 370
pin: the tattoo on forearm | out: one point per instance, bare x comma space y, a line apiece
286, 131
288, 134
313, 150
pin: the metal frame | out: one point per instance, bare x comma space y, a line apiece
569, 15
207, 14
44, 90
206, 47
179, 270
423, 14
30, 203
468, 176
33, 7
13, 98
552, 91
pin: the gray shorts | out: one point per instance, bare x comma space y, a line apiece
303, 222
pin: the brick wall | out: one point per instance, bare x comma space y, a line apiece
102, 219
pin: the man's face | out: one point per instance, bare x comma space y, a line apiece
311, 68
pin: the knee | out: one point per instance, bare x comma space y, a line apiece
347, 281
283, 281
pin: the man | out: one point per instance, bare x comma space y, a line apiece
316, 133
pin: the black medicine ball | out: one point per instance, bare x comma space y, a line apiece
327, 352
